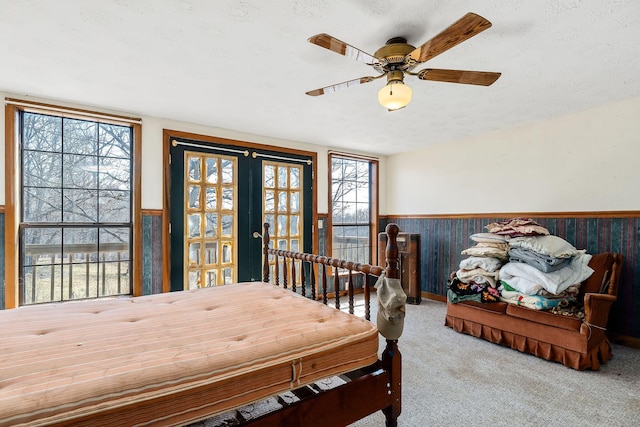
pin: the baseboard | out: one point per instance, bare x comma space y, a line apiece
624, 340
435, 297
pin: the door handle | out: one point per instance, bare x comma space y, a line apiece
257, 235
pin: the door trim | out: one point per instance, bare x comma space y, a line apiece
168, 135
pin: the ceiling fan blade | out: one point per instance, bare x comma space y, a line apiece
464, 28
340, 86
482, 78
328, 42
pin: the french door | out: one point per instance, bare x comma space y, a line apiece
220, 195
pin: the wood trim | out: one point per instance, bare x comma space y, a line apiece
152, 212
237, 143
375, 210
10, 220
624, 340
433, 297
71, 111
576, 214
137, 210
166, 203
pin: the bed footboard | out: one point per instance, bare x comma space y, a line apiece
379, 387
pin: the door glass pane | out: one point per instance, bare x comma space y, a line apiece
211, 253
193, 279
282, 225
282, 176
282, 201
194, 196
269, 201
194, 254
194, 225
211, 278
294, 224
227, 225
294, 200
212, 198
227, 198
227, 171
212, 170
269, 173
211, 227
295, 178
194, 169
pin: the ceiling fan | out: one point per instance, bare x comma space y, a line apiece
397, 58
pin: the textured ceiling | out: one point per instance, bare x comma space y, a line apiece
246, 65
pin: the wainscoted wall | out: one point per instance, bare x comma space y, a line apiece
443, 238
152, 253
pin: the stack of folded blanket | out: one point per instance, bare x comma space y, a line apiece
477, 276
519, 262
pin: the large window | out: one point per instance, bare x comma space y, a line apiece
353, 207
74, 211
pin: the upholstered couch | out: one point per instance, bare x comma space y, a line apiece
576, 343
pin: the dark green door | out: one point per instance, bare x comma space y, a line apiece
219, 196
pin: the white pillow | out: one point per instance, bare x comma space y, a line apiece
550, 245
487, 238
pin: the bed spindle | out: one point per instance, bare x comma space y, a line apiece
313, 281
293, 275
324, 282
350, 286
284, 272
367, 296
336, 286
302, 279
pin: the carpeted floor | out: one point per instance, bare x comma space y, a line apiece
451, 379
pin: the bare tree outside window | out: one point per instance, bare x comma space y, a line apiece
351, 209
76, 221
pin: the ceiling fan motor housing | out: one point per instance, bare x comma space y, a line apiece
392, 56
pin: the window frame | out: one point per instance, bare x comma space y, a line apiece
13, 187
373, 203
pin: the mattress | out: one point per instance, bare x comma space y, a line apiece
170, 358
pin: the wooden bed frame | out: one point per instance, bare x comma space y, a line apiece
135, 377
368, 390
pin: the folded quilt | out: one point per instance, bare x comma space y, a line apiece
545, 263
478, 275
472, 291
529, 280
535, 302
494, 250
517, 227
486, 263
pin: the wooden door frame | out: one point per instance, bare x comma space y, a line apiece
167, 136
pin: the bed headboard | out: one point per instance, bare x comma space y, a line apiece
299, 269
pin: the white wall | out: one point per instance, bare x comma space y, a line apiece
152, 166
581, 162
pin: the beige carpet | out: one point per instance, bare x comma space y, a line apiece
451, 379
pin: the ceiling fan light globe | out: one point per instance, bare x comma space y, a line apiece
394, 95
